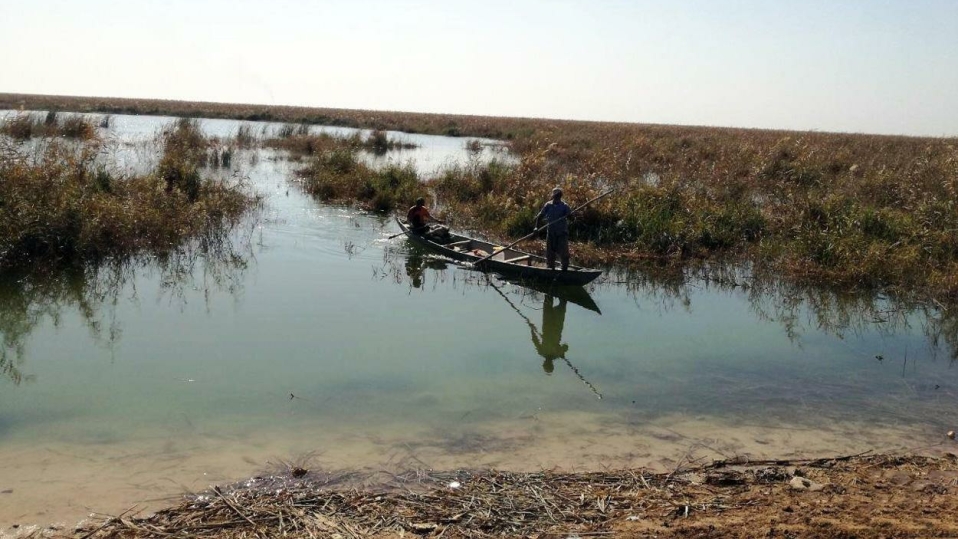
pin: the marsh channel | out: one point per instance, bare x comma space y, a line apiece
315, 338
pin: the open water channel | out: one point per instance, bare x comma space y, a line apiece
315, 339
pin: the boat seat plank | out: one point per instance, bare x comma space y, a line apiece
517, 259
458, 243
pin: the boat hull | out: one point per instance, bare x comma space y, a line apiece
510, 263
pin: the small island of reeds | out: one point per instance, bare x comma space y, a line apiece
63, 203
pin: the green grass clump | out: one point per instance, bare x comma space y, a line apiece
338, 175
334, 171
21, 126
184, 152
25, 126
307, 145
77, 127
663, 220
286, 131
61, 206
245, 138
469, 182
378, 142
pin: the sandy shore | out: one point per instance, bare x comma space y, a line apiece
849, 496
61, 484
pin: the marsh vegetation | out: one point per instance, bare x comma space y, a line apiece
25, 126
62, 203
334, 171
862, 211
875, 212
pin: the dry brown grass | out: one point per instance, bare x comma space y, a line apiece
847, 209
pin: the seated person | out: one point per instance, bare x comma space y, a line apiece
419, 217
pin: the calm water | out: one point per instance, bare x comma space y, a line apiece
315, 338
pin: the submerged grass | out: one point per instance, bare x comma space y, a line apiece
60, 205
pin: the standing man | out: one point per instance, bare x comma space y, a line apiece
556, 214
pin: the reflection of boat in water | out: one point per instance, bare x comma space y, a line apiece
507, 262
555, 299
418, 260
577, 295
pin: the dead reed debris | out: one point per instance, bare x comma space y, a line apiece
738, 500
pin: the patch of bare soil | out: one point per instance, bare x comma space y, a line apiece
854, 496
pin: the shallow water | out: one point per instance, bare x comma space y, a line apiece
315, 338
131, 142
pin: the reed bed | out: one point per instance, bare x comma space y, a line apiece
339, 176
736, 498
306, 145
61, 205
24, 126
335, 172
302, 143
860, 211
245, 137
866, 212
842, 217
438, 124
378, 142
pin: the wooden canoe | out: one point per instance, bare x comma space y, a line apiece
511, 263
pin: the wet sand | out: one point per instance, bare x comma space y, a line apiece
61, 483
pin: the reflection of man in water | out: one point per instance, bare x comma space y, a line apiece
549, 346
414, 266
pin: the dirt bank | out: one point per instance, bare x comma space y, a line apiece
858, 496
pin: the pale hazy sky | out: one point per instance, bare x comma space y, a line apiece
832, 65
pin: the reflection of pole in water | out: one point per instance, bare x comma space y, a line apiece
584, 381
548, 343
